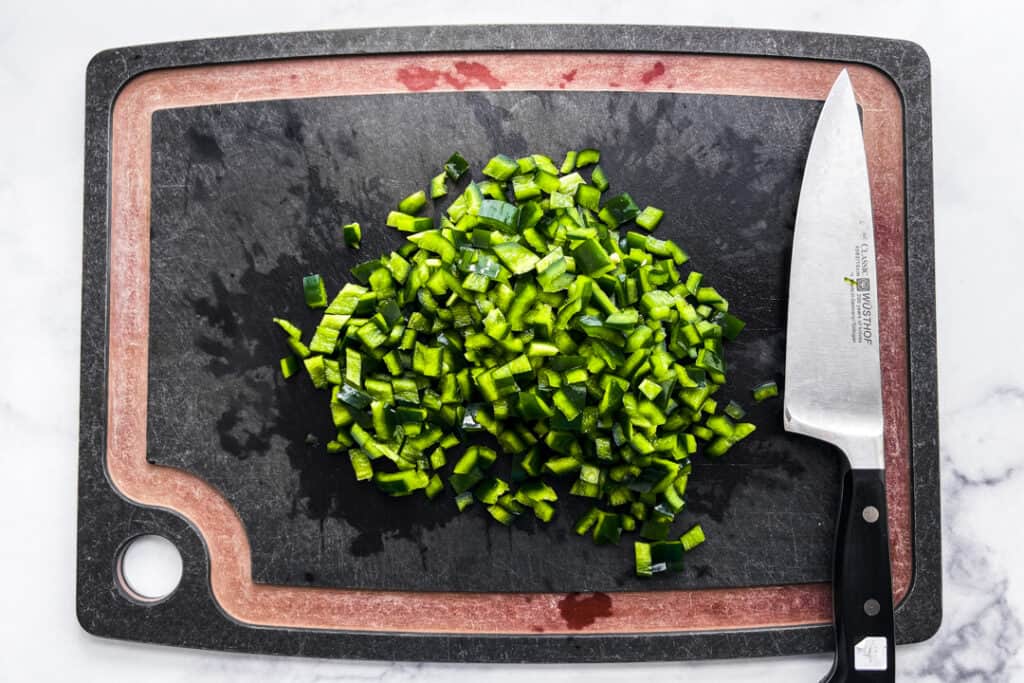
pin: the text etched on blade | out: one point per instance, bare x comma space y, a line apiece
862, 310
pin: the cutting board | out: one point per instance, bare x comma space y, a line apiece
218, 174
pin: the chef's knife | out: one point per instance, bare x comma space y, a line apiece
833, 377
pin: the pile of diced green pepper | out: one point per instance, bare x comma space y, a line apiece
525, 313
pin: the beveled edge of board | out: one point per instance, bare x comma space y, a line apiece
905, 64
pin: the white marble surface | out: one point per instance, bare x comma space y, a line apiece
975, 50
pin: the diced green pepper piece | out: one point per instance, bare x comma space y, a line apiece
361, 466
325, 339
289, 366
313, 289
499, 215
413, 203
495, 325
525, 187
568, 184
586, 157
735, 410
721, 425
489, 490
516, 257
765, 390
692, 538
371, 335
649, 388
709, 295
438, 188
642, 559
406, 223
456, 166
587, 521
547, 182
353, 397
666, 555
592, 259
649, 218
492, 189
742, 430
501, 167
657, 304
569, 163
588, 197
526, 165
532, 407
435, 242
618, 210
543, 511
544, 163
607, 528
731, 326
434, 487
317, 371
426, 360
402, 482
693, 281
500, 514
702, 433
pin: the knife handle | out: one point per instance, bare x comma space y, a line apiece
862, 583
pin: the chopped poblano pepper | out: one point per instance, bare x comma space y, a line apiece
569, 164
438, 188
413, 203
456, 166
501, 167
587, 157
692, 538
353, 235
765, 390
289, 366
619, 210
584, 352
313, 288
735, 410
649, 218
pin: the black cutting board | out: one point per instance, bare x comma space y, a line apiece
248, 198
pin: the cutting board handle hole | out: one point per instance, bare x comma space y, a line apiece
148, 569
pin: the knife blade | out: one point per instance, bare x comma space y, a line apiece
833, 386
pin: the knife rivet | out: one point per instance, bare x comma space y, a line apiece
870, 514
872, 608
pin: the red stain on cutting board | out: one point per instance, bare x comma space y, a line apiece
418, 78
657, 70
580, 612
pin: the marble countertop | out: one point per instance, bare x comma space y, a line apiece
44, 47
